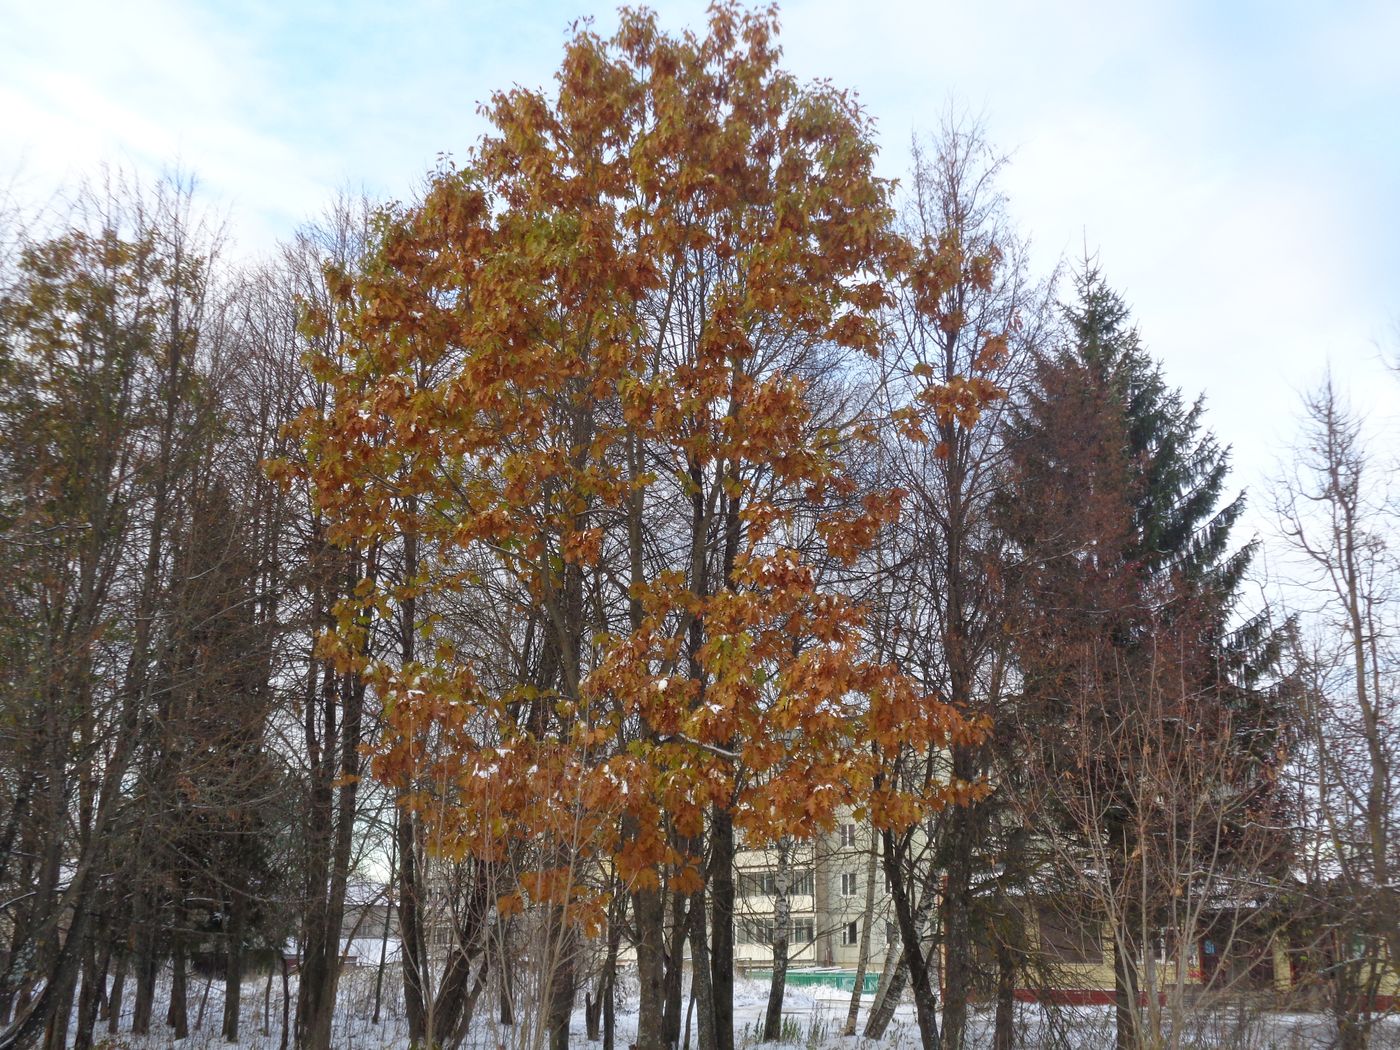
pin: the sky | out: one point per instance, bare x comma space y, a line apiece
1234, 164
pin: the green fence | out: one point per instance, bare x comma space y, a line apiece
844, 980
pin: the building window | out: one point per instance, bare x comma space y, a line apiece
1069, 937
848, 836
760, 931
850, 933
765, 883
757, 884
849, 883
755, 931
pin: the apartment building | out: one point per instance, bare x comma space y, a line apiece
825, 880
1234, 947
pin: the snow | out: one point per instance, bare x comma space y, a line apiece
814, 1018
365, 950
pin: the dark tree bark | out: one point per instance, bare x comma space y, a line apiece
145, 969
925, 1003
675, 968
286, 1003
1004, 1031
333, 747
114, 998
90, 998
592, 1016
389, 910
610, 982
178, 1015
722, 924
957, 906
562, 986
413, 950
233, 965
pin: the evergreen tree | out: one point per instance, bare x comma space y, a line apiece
1136, 689
1178, 472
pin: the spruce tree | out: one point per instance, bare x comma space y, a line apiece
1178, 471
1181, 533
1132, 666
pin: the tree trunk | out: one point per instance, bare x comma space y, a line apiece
286, 1005
722, 926
56, 1037
675, 966
267, 1005
203, 1003
90, 998
178, 1016
782, 921
777, 987
468, 1010
1125, 992
334, 800
603, 1019
1004, 1034
233, 967
562, 983
882, 1010
956, 904
507, 980
925, 1004
702, 990
384, 930
412, 950
648, 912
647, 908
882, 1006
593, 1015
144, 1002
114, 997
866, 922
7, 991
610, 984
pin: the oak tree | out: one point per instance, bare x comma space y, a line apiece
576, 367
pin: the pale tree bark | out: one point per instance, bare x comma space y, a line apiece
782, 923
867, 921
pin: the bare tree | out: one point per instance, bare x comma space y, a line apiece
102, 348
1339, 519
944, 606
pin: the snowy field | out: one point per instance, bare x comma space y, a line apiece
813, 1020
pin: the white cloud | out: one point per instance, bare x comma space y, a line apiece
1241, 181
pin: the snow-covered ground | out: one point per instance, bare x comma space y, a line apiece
814, 1019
